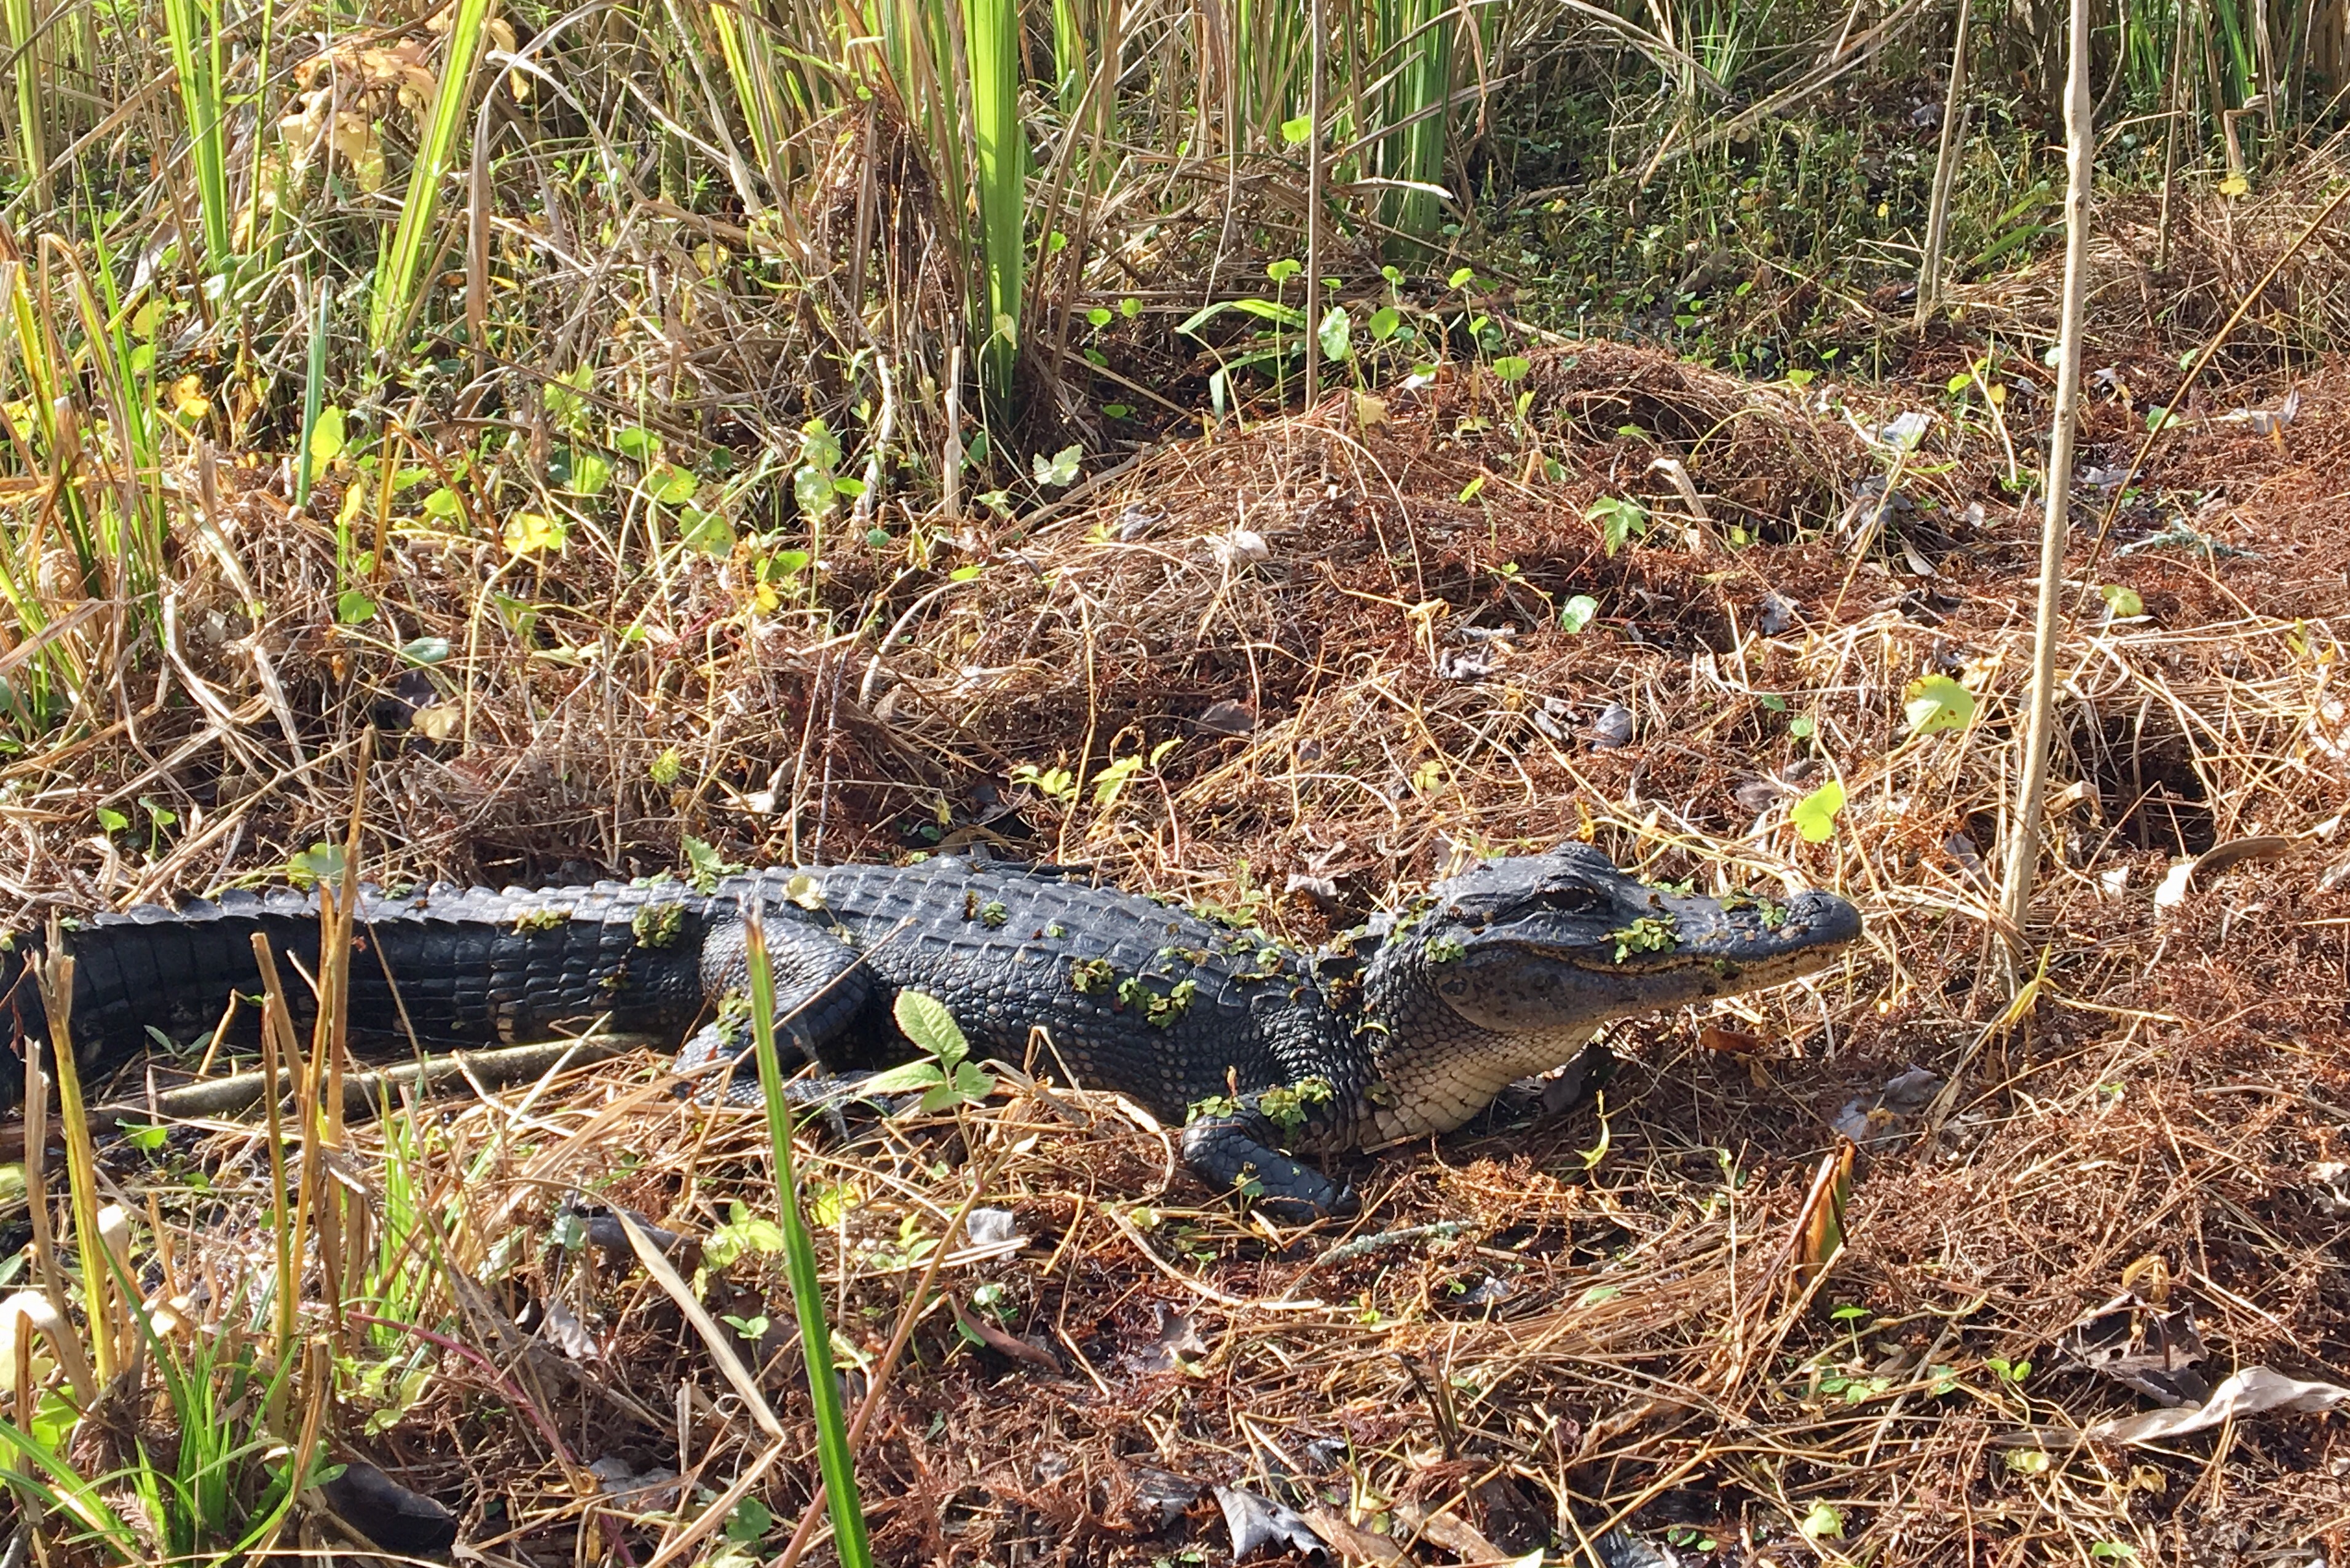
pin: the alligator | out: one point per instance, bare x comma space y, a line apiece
1260, 1051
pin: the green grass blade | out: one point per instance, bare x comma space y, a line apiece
1423, 82
833, 1455
314, 397
87, 1504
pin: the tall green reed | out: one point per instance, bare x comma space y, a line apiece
192, 29
835, 1458
399, 266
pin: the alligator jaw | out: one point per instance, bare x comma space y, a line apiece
1514, 964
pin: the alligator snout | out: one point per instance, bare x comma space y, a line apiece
1825, 917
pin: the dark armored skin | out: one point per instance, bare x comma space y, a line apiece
1410, 1027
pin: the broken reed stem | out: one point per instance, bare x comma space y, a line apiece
36, 1180
2170, 145
343, 1221
2031, 791
276, 1018
1946, 164
274, 1024
951, 460
57, 982
234, 1095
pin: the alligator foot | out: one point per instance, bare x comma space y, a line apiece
831, 1095
1231, 1155
721, 1041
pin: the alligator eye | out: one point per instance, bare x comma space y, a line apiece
1570, 900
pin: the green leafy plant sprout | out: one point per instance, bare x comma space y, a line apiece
743, 1235
1053, 783
705, 867
2121, 603
1937, 703
1620, 519
1112, 781
949, 1079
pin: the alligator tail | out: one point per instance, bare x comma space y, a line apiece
457, 967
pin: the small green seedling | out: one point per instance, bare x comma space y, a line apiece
949, 1079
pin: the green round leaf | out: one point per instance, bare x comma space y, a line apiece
1825, 1522
1814, 816
325, 439
1937, 703
670, 485
707, 531
1338, 335
1577, 612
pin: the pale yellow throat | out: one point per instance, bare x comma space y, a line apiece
1436, 1087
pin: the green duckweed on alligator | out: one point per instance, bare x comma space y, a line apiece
1261, 1051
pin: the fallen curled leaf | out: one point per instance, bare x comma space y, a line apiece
1819, 1229
1730, 1041
436, 720
2133, 1341
1258, 1523
2255, 1391
2235, 852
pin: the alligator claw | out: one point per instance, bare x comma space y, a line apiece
1230, 1154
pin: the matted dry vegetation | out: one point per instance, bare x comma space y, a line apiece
1566, 1319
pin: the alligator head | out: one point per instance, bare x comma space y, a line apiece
1510, 967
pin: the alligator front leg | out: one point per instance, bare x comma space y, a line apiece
822, 983
1234, 1152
